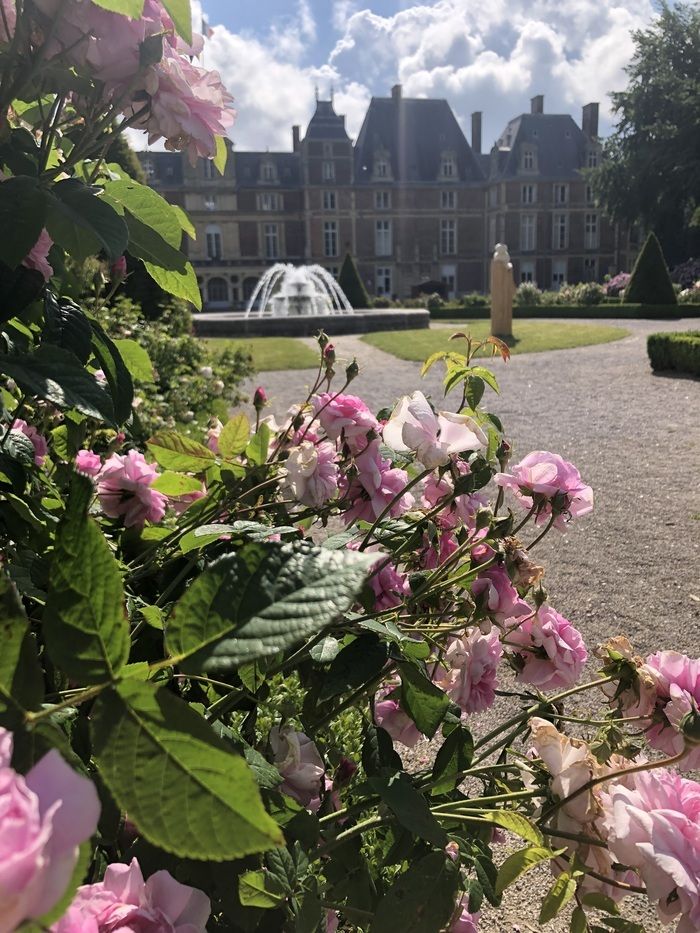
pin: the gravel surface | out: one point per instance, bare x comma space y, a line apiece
632, 567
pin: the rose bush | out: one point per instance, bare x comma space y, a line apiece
218, 645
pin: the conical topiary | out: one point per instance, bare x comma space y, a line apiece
351, 283
650, 283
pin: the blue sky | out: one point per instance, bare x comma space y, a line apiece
489, 56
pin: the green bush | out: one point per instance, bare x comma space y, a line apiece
351, 283
476, 300
677, 352
651, 281
602, 311
527, 294
435, 302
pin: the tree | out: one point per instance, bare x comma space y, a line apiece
650, 283
351, 283
650, 171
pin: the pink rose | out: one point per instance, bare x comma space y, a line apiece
311, 473
389, 715
124, 489
389, 586
549, 651
38, 442
464, 922
298, 761
88, 462
462, 508
213, 435
124, 903
37, 257
118, 269
181, 503
677, 679
554, 483
9, 17
45, 816
345, 415
437, 548
654, 827
468, 671
376, 485
496, 595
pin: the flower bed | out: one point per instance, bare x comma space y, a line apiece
675, 352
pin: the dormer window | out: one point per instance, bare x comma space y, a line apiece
448, 165
381, 168
528, 159
268, 172
328, 171
592, 158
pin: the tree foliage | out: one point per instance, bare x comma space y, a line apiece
650, 282
650, 171
352, 284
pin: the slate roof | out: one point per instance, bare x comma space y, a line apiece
415, 132
561, 146
326, 123
247, 168
166, 167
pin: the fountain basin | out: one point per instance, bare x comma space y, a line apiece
240, 324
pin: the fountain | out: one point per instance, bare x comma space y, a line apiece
295, 291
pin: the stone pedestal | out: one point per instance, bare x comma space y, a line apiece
502, 292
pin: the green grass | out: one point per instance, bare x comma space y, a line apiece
528, 337
270, 353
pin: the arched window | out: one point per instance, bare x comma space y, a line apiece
217, 291
214, 247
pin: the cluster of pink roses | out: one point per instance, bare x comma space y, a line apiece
549, 485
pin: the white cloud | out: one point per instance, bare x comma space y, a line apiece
342, 11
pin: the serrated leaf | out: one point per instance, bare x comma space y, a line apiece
177, 452
421, 899
83, 223
21, 681
432, 360
325, 650
167, 266
186, 224
358, 662
23, 212
181, 786
67, 326
261, 600
181, 14
514, 823
453, 758
260, 889
257, 449
483, 373
579, 924
557, 897
233, 439
600, 902
118, 377
176, 484
409, 807
520, 862
147, 206
85, 622
425, 703
136, 359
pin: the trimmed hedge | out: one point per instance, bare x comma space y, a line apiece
609, 310
650, 280
677, 352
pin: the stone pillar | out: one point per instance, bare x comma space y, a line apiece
502, 292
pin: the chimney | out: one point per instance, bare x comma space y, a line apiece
295, 138
589, 120
396, 92
476, 132
537, 104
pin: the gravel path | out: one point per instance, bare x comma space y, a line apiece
632, 567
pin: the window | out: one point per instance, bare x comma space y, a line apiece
271, 241
382, 200
528, 194
330, 238
383, 280
528, 159
208, 169
268, 201
268, 172
448, 277
329, 200
328, 171
448, 237
527, 233
590, 232
493, 197
149, 168
561, 194
328, 150
381, 168
210, 202
448, 168
382, 238
590, 269
590, 197
217, 291
558, 273
527, 270
448, 200
214, 250
592, 160
560, 231
492, 232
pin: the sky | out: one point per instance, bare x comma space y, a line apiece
488, 55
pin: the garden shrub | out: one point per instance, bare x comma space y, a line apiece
687, 273
616, 285
650, 282
434, 302
381, 301
527, 293
675, 352
352, 285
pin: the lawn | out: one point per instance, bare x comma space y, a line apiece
529, 337
270, 353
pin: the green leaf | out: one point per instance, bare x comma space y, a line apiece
260, 889
83, 223
432, 360
261, 600
483, 373
147, 206
85, 622
378, 754
425, 703
177, 452
325, 650
22, 217
136, 359
221, 156
409, 807
557, 897
233, 439
600, 902
167, 266
56, 375
453, 758
186, 224
267, 776
182, 17
515, 823
180, 283
153, 616
421, 899
257, 449
67, 326
474, 390
132, 8
360, 661
579, 924
21, 681
175, 484
183, 789
118, 377
520, 862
